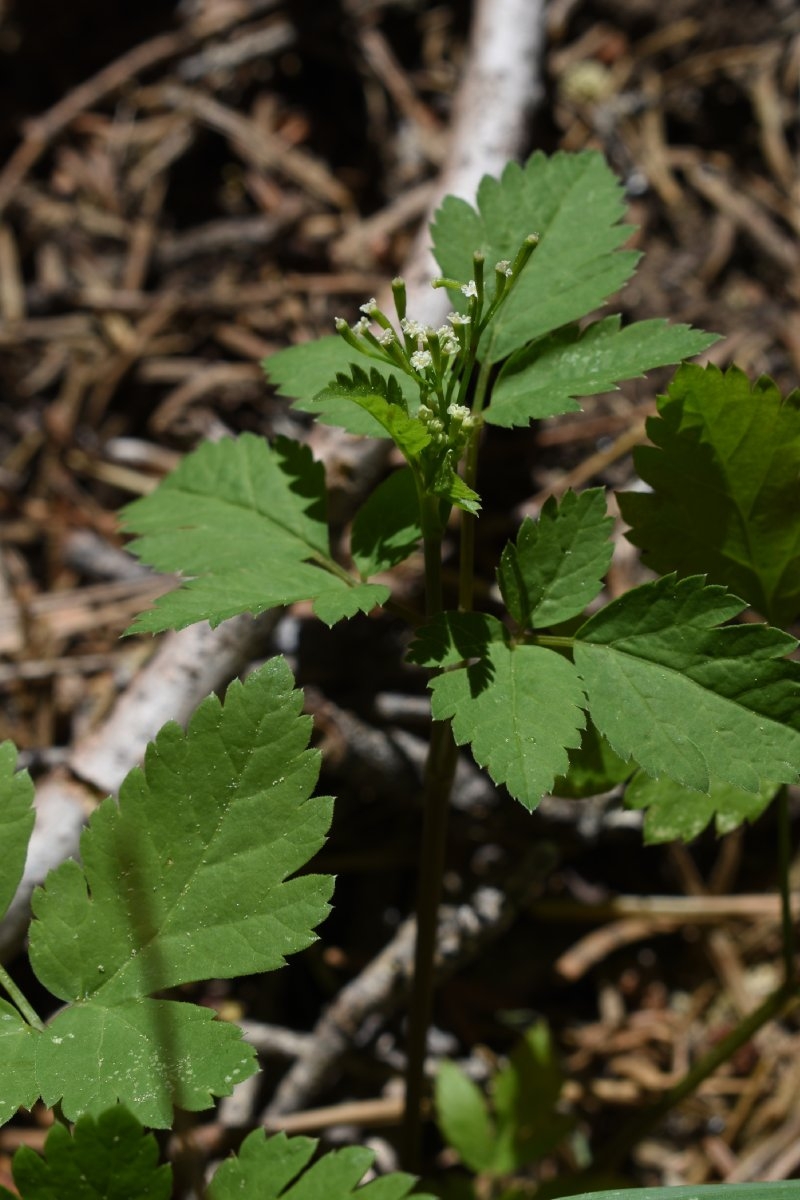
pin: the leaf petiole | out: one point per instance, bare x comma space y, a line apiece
19, 1000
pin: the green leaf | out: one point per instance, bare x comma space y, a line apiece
462, 1114
153, 1055
332, 606
574, 202
675, 813
269, 1168
18, 1055
725, 474
243, 518
302, 372
445, 482
16, 823
686, 698
519, 707
525, 1094
455, 637
593, 768
386, 529
543, 379
715, 1191
110, 1158
557, 564
186, 878
379, 394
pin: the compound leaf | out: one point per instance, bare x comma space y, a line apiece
16, 823
555, 567
186, 878
675, 813
542, 380
575, 203
303, 372
247, 521
688, 699
387, 527
725, 474
277, 1167
519, 707
108, 1158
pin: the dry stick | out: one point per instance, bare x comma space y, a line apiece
46, 128
615, 1151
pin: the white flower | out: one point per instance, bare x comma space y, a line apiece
459, 412
361, 326
504, 267
386, 337
459, 318
369, 307
421, 359
470, 289
449, 344
414, 330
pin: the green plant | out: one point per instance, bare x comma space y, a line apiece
660, 682
519, 1125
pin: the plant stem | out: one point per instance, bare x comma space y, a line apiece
784, 883
466, 566
617, 1148
19, 1000
432, 549
439, 772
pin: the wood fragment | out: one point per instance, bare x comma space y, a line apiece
261, 149
12, 289
49, 125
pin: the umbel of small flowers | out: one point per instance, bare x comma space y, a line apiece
440, 361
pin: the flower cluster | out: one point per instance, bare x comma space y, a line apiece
440, 361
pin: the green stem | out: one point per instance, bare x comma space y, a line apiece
550, 640
22, 1004
439, 772
784, 883
438, 782
466, 567
432, 549
618, 1147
